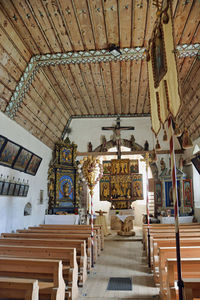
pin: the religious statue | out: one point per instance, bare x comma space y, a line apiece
146, 146
103, 145
162, 164
89, 147
134, 145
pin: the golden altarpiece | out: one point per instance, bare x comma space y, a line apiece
63, 179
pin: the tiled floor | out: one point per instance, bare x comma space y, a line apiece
120, 259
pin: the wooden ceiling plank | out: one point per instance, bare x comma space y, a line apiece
185, 69
97, 18
5, 93
62, 89
195, 134
17, 22
194, 125
196, 35
151, 18
191, 24
125, 86
42, 104
3, 104
12, 51
180, 19
32, 106
135, 75
125, 23
174, 6
10, 31
142, 87
7, 79
71, 25
21, 120
106, 75
54, 12
139, 12
70, 79
88, 78
9, 65
111, 21
83, 19
116, 83
47, 93
58, 101
80, 83
99, 85
146, 106
31, 25
42, 19
192, 73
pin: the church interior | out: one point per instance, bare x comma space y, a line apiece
99, 149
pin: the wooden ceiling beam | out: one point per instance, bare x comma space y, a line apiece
150, 20
139, 20
135, 79
9, 65
5, 93
112, 22
125, 86
142, 87
146, 107
116, 83
125, 11
7, 79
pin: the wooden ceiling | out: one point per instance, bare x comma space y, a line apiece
58, 92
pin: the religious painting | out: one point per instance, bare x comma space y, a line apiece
137, 186
21, 190
121, 187
65, 189
11, 189
65, 155
22, 160
2, 142
5, 188
134, 166
120, 166
106, 167
16, 190
169, 194
26, 188
158, 193
9, 153
158, 57
1, 187
33, 165
105, 188
187, 193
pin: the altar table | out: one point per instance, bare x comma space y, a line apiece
62, 219
170, 220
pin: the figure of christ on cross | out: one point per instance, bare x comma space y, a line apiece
117, 134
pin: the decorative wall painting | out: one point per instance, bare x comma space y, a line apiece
187, 193
106, 167
137, 186
9, 153
158, 193
33, 165
22, 160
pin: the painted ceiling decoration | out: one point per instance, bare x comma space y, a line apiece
62, 59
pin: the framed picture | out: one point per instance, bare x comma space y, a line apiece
169, 194
158, 193
137, 187
21, 190
2, 142
105, 188
22, 160
187, 193
33, 165
9, 153
16, 190
5, 188
26, 188
134, 166
1, 187
106, 167
11, 189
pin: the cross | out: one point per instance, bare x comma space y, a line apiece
117, 134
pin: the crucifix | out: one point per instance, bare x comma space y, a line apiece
117, 134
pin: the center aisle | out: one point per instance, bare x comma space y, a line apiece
120, 259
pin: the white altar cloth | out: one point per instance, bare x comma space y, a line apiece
61, 219
170, 220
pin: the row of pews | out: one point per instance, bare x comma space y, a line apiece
163, 258
48, 261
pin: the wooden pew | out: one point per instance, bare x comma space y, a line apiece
57, 237
67, 255
190, 267
168, 243
19, 288
48, 272
78, 244
71, 234
191, 289
99, 229
170, 252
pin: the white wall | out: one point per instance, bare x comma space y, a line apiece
12, 208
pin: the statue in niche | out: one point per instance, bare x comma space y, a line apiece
89, 147
103, 145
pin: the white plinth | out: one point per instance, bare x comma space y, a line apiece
61, 219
